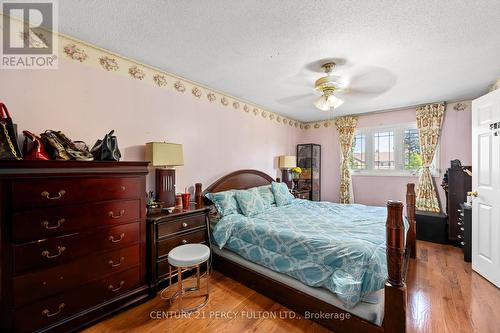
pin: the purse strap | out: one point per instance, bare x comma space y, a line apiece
3, 108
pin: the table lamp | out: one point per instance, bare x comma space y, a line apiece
165, 155
285, 164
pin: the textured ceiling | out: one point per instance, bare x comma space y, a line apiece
399, 53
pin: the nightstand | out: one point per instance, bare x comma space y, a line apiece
168, 230
302, 194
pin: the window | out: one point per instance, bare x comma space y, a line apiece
412, 157
384, 150
358, 156
388, 151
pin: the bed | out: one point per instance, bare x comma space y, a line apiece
296, 256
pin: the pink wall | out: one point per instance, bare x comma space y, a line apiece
455, 143
86, 103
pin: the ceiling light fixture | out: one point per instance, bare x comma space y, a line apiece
328, 101
327, 86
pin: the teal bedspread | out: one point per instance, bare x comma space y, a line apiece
322, 244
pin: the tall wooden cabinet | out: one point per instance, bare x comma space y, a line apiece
309, 160
457, 185
73, 242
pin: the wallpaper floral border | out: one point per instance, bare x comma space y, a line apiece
85, 53
458, 106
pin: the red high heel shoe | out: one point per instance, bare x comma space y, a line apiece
37, 152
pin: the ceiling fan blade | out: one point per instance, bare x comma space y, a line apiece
371, 81
292, 99
348, 92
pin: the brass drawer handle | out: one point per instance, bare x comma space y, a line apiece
184, 241
112, 263
46, 194
185, 225
47, 226
113, 216
47, 313
113, 240
60, 250
113, 289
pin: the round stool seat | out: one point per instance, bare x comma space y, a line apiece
188, 255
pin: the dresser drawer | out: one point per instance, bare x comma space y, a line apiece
48, 311
53, 251
40, 284
47, 222
183, 224
165, 245
64, 191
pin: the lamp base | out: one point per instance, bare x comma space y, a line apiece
286, 176
165, 187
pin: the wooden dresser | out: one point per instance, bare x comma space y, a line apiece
167, 231
73, 242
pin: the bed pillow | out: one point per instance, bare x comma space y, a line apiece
251, 202
282, 195
225, 202
268, 195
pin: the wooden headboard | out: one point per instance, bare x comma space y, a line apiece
240, 180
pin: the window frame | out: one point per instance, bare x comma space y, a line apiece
399, 158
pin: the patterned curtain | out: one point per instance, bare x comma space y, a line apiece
346, 127
429, 120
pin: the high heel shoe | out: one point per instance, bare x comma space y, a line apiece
37, 151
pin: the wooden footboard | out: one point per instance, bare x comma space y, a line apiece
411, 240
398, 254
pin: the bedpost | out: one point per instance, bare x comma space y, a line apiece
395, 288
410, 214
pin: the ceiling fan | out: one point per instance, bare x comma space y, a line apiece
327, 85
353, 84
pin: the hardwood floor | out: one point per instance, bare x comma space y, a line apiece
444, 295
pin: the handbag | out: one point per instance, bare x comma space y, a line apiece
107, 148
9, 150
60, 147
37, 151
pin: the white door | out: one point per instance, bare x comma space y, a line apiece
486, 182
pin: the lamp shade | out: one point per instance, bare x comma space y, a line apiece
287, 162
164, 154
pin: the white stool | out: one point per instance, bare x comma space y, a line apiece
188, 256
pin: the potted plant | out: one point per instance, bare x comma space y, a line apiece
295, 177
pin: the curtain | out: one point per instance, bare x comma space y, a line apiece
429, 120
346, 127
